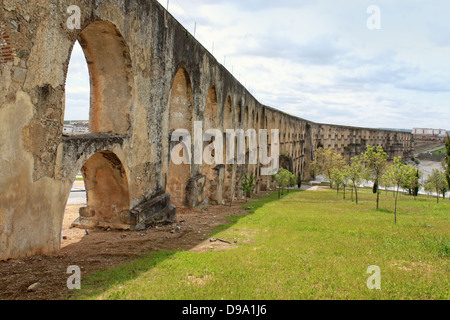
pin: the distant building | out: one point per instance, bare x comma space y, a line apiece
430, 132
76, 128
427, 134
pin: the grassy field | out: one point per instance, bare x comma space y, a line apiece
443, 150
308, 245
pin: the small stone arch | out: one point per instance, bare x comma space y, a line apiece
239, 119
108, 196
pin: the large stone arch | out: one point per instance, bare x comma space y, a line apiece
180, 115
111, 80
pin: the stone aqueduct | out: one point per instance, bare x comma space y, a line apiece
149, 76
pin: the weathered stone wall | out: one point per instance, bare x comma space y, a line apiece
148, 75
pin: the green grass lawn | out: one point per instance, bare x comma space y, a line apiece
443, 150
308, 245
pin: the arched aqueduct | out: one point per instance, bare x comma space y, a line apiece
149, 77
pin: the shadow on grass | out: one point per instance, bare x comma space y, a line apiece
99, 282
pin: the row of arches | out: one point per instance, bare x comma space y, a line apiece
110, 109
222, 182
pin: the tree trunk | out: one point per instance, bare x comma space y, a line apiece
378, 200
396, 197
356, 194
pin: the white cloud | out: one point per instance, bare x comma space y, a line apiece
317, 59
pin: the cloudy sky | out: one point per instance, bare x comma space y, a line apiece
319, 60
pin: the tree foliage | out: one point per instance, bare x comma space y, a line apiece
356, 172
437, 182
376, 162
398, 175
337, 177
248, 185
284, 178
324, 162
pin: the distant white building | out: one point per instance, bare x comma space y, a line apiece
76, 128
430, 132
81, 128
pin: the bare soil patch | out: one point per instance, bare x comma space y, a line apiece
105, 249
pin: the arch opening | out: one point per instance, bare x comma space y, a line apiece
110, 80
180, 117
77, 103
107, 193
229, 169
210, 122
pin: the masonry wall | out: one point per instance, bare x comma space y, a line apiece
136, 96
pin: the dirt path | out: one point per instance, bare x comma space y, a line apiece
101, 250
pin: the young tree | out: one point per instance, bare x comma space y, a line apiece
415, 183
437, 182
299, 180
345, 178
356, 172
411, 181
283, 179
376, 161
428, 188
386, 179
337, 177
325, 160
247, 186
293, 180
398, 175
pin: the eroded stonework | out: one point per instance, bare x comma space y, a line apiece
149, 76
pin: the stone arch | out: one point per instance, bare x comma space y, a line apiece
111, 80
210, 122
252, 122
257, 124
246, 118
108, 196
228, 123
228, 115
239, 115
180, 111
